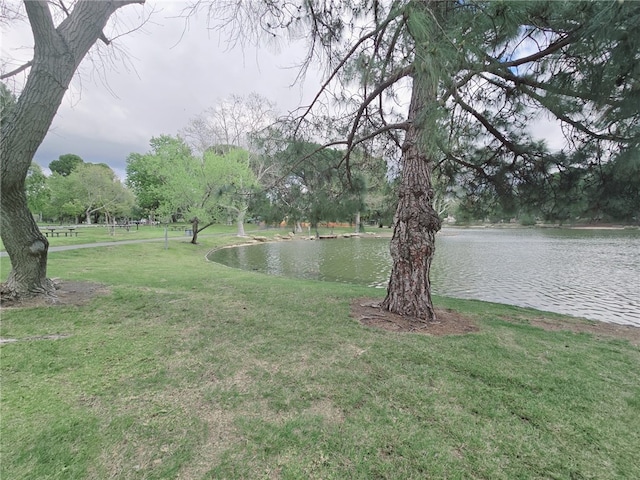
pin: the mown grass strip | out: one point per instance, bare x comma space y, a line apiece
188, 369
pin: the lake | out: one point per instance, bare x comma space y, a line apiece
583, 272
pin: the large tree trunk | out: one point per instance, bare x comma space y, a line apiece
26, 245
415, 224
57, 54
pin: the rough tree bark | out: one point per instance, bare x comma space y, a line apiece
415, 223
57, 54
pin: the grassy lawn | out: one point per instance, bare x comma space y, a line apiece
100, 233
192, 370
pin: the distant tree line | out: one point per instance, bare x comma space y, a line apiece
272, 180
606, 192
78, 192
227, 183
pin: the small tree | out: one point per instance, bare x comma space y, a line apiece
146, 173
237, 182
202, 190
65, 164
36, 190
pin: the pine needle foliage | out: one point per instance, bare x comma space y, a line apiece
498, 69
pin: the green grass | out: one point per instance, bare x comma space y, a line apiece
100, 233
193, 370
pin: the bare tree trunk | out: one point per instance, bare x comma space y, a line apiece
57, 54
358, 221
194, 225
415, 224
240, 221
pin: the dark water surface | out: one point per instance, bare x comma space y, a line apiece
588, 273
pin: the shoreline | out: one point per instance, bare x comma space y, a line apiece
545, 226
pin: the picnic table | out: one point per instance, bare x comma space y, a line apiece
68, 231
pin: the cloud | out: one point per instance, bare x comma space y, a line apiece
154, 80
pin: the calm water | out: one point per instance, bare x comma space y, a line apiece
588, 273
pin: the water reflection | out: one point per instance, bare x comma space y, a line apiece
589, 273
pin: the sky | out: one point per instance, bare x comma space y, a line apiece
155, 80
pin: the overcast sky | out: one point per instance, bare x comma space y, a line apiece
159, 77
169, 76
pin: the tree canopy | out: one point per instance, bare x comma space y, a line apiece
202, 190
498, 71
36, 189
65, 164
231, 121
146, 173
89, 190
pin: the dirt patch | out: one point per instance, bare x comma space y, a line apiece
449, 322
67, 293
54, 336
598, 329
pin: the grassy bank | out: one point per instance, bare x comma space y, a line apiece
192, 370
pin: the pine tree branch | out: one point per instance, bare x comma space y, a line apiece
547, 87
340, 65
552, 48
392, 45
524, 87
401, 73
488, 126
387, 127
566, 119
